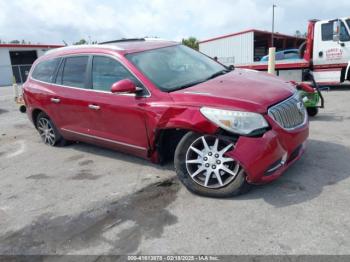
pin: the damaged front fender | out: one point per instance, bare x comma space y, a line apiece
160, 117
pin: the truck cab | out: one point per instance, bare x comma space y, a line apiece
331, 50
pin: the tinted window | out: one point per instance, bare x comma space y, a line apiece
279, 56
74, 71
106, 71
291, 55
327, 31
344, 34
45, 70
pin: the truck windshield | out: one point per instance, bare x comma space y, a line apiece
176, 67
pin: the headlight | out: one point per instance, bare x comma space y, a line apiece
237, 122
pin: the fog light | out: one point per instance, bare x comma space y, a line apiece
284, 158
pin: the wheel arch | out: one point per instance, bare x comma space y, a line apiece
166, 141
164, 137
35, 113
344, 75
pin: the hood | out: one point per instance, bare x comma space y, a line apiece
240, 89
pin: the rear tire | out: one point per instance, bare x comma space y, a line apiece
48, 131
312, 111
220, 183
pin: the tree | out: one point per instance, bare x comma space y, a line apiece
14, 42
191, 42
81, 42
299, 34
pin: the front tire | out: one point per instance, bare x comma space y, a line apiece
312, 111
202, 166
48, 131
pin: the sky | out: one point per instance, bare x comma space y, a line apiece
52, 21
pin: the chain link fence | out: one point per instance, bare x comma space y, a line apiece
20, 73
10, 74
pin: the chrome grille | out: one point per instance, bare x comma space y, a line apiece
290, 113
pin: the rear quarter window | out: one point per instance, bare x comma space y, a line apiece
45, 70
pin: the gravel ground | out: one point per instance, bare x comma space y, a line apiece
83, 199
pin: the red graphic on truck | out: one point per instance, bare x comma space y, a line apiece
334, 54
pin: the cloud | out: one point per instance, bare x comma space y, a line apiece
49, 21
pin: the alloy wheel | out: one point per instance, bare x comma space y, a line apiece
207, 164
46, 131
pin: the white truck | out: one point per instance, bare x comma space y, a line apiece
325, 53
322, 59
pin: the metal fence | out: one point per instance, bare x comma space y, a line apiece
20, 73
11, 74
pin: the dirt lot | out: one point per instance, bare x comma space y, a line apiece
82, 199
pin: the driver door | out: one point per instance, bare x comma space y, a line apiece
117, 120
330, 56
330, 52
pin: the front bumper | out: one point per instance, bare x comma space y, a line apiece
265, 158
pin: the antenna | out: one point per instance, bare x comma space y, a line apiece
273, 23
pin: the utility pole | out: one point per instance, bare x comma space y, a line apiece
272, 50
273, 24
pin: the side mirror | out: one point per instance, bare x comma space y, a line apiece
336, 30
124, 86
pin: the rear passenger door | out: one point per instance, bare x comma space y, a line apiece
71, 95
43, 74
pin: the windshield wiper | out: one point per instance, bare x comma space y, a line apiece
219, 73
188, 85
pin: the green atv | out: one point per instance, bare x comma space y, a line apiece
313, 99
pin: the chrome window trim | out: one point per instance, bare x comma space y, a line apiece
105, 139
94, 90
289, 98
85, 89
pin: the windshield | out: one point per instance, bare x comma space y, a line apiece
176, 67
348, 22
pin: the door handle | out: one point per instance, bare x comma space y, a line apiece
94, 107
55, 100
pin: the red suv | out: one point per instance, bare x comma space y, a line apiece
224, 129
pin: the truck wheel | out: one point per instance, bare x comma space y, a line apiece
202, 166
48, 131
312, 111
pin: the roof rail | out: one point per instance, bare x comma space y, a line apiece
72, 47
123, 40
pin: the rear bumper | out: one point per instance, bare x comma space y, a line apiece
266, 158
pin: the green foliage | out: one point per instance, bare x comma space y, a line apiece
81, 42
299, 34
191, 42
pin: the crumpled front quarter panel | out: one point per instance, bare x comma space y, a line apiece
165, 116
